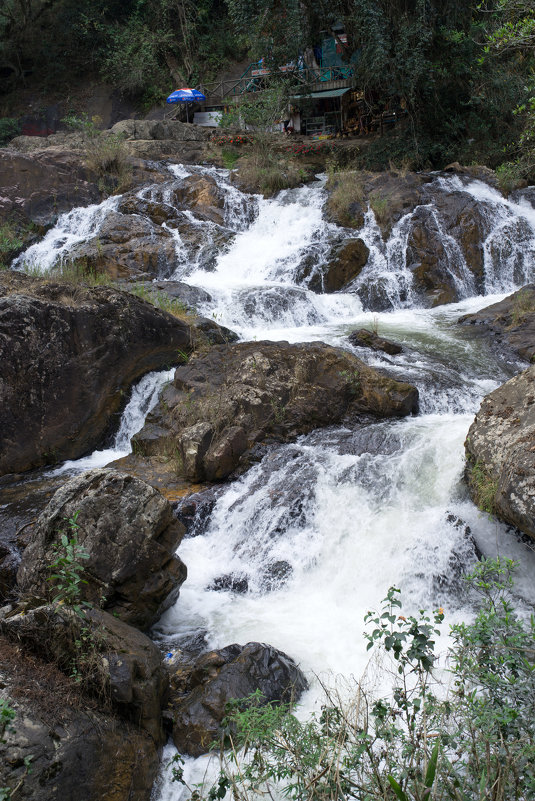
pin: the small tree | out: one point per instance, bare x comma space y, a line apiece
258, 112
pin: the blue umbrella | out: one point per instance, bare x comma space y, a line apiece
185, 96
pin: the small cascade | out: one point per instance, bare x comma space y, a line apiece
72, 228
143, 399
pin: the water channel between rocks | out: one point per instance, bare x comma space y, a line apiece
317, 532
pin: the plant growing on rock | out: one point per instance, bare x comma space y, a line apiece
67, 569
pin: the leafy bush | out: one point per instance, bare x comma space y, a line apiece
9, 128
423, 741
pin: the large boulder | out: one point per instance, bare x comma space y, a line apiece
114, 663
68, 355
233, 672
131, 536
345, 264
224, 401
510, 323
40, 186
500, 449
59, 746
129, 245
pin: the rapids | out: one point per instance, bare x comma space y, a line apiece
319, 529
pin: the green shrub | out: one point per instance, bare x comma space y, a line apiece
469, 739
9, 128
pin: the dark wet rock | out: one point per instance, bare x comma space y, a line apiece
69, 745
21, 501
213, 333
500, 450
230, 582
131, 535
510, 323
41, 186
129, 245
191, 296
126, 669
68, 354
224, 401
345, 264
218, 676
452, 580
195, 510
369, 339
276, 575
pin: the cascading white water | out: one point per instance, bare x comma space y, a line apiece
72, 228
319, 529
143, 398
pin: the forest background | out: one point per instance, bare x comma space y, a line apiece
464, 70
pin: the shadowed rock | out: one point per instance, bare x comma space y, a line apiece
216, 677
131, 536
68, 354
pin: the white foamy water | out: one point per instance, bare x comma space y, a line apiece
71, 229
319, 529
143, 398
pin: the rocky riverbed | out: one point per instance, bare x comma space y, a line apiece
319, 384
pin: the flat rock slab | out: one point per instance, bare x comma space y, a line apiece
368, 339
511, 322
500, 448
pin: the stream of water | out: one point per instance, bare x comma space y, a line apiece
318, 531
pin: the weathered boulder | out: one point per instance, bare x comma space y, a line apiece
393, 193
219, 676
510, 323
202, 194
73, 750
131, 536
129, 245
40, 186
368, 339
224, 401
345, 264
68, 354
115, 663
161, 130
500, 449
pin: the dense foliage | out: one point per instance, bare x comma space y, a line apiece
462, 735
463, 71
144, 47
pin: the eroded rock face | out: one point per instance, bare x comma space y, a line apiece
218, 676
68, 354
74, 752
223, 402
500, 448
510, 323
131, 536
129, 245
40, 186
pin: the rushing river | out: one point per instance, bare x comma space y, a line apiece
318, 530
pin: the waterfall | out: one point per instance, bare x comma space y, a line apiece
143, 397
317, 531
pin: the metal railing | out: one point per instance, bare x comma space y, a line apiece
255, 80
